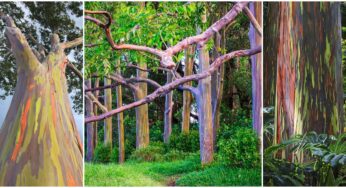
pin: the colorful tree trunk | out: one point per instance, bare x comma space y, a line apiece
205, 110
142, 119
256, 70
121, 134
108, 122
271, 38
89, 126
168, 111
187, 98
309, 75
39, 142
95, 108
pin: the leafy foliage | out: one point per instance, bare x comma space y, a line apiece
151, 153
327, 158
185, 142
239, 148
103, 153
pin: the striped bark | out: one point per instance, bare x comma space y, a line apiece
168, 111
187, 97
142, 119
108, 122
256, 70
309, 75
39, 141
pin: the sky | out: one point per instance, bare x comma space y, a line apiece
5, 104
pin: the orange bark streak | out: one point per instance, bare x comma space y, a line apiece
23, 123
70, 181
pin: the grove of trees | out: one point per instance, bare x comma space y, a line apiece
184, 52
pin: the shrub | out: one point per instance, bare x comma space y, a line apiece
184, 142
240, 149
115, 155
156, 131
174, 155
151, 153
102, 153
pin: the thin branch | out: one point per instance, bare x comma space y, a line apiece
75, 70
172, 85
73, 43
253, 20
193, 90
148, 81
91, 45
91, 97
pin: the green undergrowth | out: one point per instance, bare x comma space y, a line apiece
187, 172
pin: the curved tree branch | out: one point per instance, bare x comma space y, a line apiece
253, 20
168, 87
166, 56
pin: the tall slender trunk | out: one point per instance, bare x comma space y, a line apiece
271, 38
89, 126
168, 111
39, 141
97, 83
256, 70
108, 122
142, 119
121, 135
309, 94
187, 98
205, 110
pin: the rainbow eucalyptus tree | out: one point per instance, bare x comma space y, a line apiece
39, 141
256, 67
309, 94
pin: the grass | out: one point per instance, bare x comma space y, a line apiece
186, 172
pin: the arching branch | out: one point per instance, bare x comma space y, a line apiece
168, 87
253, 20
166, 56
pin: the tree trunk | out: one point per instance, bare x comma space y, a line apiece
168, 111
97, 92
205, 110
271, 37
309, 75
39, 141
89, 126
108, 121
121, 133
142, 119
256, 70
187, 98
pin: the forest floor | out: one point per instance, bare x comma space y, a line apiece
186, 172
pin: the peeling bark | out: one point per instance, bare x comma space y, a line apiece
204, 110
121, 134
39, 141
257, 70
187, 98
108, 122
168, 111
142, 119
89, 127
309, 75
